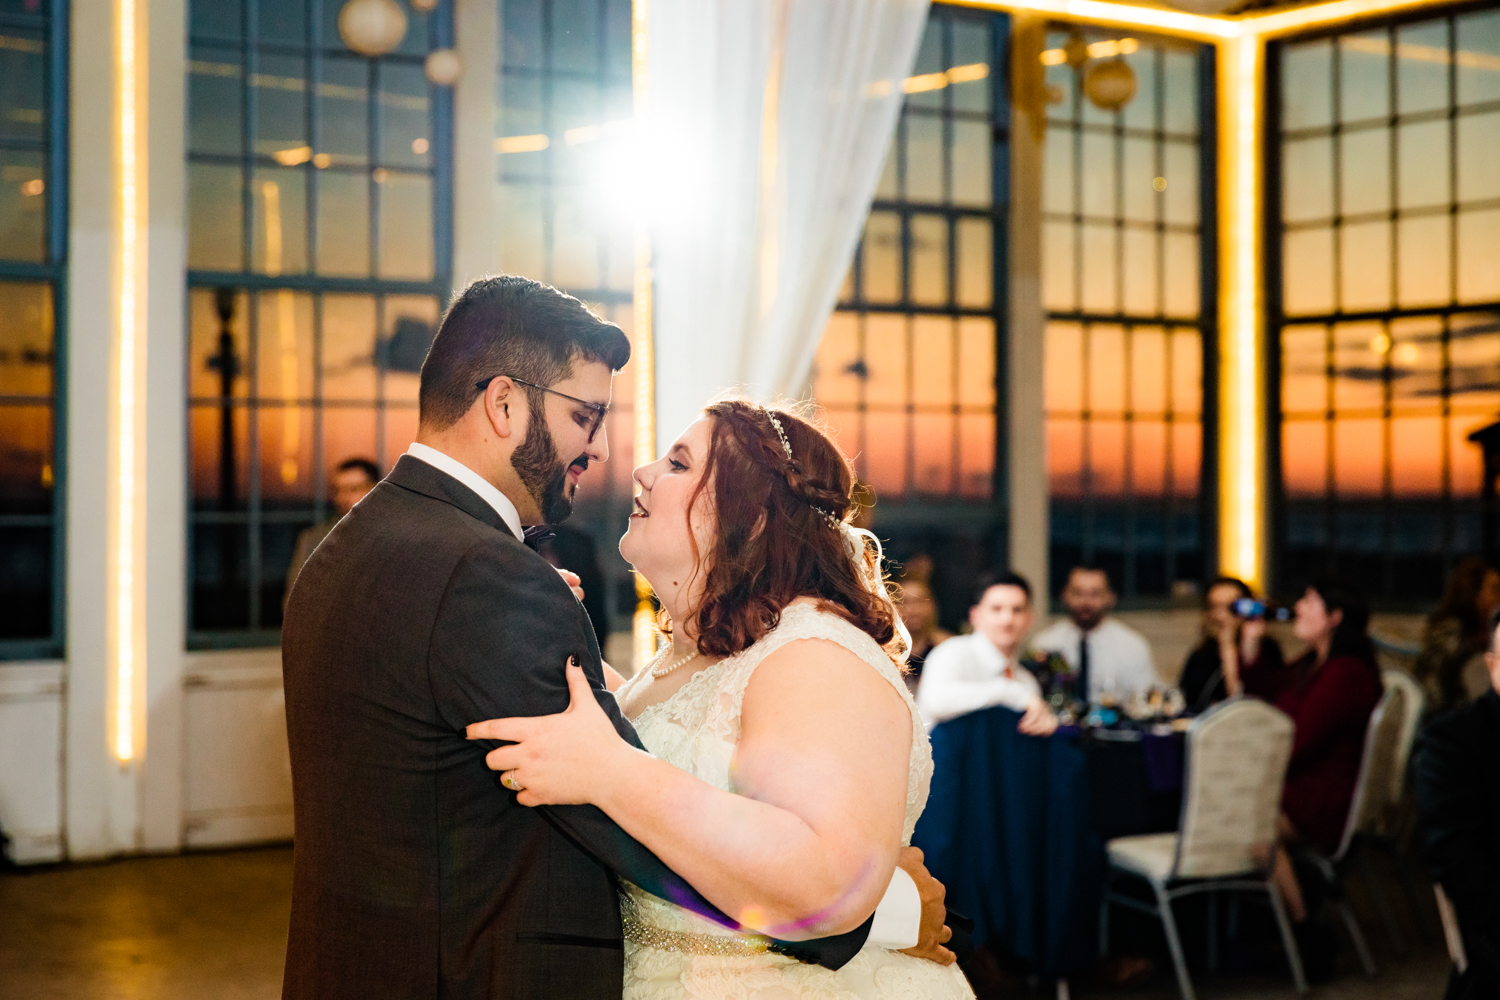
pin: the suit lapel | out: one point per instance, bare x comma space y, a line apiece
419, 477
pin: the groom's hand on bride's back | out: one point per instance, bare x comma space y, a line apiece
934, 932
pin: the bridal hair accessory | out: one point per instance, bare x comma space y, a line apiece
786, 446
857, 541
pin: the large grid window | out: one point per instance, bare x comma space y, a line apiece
318, 256
1388, 305
33, 171
1124, 285
565, 109
906, 370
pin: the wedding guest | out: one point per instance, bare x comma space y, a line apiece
1450, 666
919, 612
1109, 657
1329, 691
348, 485
983, 669
1457, 784
1202, 682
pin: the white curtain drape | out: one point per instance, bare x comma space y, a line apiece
767, 126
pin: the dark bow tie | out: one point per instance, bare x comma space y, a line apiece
535, 536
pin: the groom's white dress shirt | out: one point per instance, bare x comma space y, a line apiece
898, 919
487, 490
967, 673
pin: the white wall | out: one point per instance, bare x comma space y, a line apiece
31, 726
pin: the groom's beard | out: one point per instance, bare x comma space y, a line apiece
542, 473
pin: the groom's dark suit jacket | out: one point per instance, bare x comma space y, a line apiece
416, 874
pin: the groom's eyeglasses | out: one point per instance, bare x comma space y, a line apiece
599, 410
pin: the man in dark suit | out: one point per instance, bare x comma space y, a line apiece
1457, 784
415, 873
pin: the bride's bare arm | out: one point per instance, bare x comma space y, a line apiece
807, 847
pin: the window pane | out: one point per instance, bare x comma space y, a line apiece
280, 236
405, 226
1305, 88
349, 348
976, 274
23, 85
1423, 164
23, 205
405, 116
215, 217
1478, 256
1307, 272
1140, 265
281, 104
1307, 179
27, 352
972, 181
1478, 152
924, 158
836, 376
343, 120
882, 257
1364, 75
216, 84
1479, 46
1422, 271
1422, 67
1365, 266
929, 259
343, 223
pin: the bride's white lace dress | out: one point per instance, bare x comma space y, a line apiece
671, 953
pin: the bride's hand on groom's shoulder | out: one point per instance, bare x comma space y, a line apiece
563, 759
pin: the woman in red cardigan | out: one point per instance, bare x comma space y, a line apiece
1329, 691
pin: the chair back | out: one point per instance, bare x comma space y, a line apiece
1451, 932
1237, 754
1372, 790
1414, 701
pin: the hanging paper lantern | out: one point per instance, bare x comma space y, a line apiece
424, 6
1076, 50
444, 67
372, 27
1110, 84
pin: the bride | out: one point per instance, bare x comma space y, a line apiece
787, 762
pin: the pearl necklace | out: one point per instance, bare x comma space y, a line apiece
659, 671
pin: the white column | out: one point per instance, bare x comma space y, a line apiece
100, 791
476, 237
1026, 406
115, 806
166, 424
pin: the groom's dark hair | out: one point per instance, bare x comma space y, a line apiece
510, 325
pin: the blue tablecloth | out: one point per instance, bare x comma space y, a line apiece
1007, 829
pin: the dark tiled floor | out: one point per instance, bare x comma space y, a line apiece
213, 927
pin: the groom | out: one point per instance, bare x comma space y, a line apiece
415, 873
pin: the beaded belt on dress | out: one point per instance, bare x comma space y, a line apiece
639, 932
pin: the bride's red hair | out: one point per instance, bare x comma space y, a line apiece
775, 541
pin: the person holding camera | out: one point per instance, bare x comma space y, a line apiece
1330, 692
1202, 684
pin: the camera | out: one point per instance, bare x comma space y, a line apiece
1249, 607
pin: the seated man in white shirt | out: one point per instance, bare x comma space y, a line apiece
982, 670
1110, 657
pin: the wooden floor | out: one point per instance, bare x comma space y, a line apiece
213, 927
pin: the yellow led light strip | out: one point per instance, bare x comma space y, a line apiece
1241, 409
126, 429
643, 626
1205, 27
